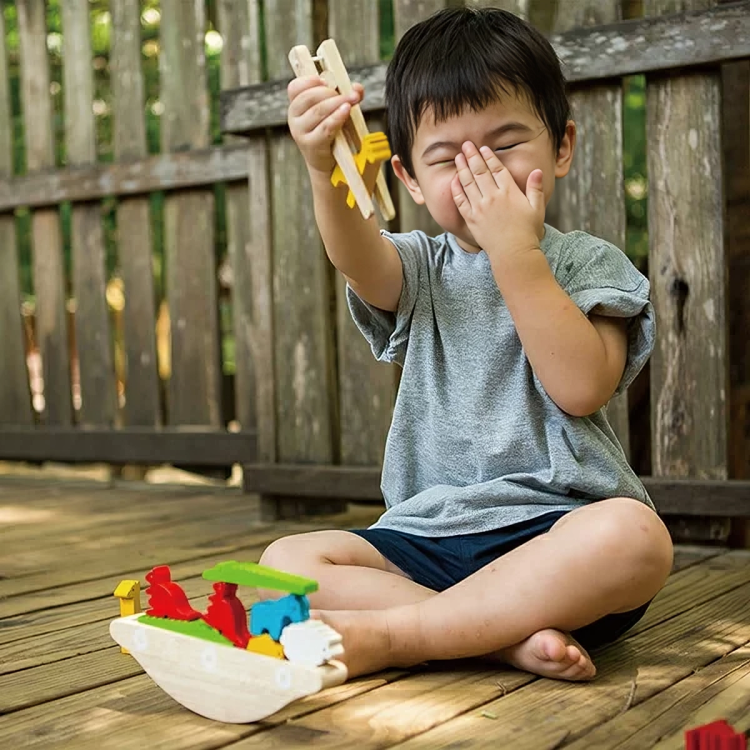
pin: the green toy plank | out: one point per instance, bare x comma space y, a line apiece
195, 628
252, 574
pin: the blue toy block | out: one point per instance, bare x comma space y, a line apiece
272, 616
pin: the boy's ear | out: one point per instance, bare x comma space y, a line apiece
564, 156
407, 179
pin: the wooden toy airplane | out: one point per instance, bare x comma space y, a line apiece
358, 153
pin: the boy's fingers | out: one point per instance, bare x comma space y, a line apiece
535, 191
467, 179
298, 85
494, 164
459, 196
479, 167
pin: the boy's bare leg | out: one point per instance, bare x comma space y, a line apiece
611, 556
352, 574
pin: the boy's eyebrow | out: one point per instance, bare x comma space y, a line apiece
507, 127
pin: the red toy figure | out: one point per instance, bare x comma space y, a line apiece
166, 598
718, 735
226, 614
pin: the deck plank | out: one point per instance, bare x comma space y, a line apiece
670, 711
63, 683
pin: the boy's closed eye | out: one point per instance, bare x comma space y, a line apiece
452, 159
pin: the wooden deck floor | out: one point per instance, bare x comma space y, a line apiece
64, 684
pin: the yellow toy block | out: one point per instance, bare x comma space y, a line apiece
264, 644
129, 594
358, 153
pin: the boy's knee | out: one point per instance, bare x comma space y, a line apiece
639, 536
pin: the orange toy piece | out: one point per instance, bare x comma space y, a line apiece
226, 614
166, 598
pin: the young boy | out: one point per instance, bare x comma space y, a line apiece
514, 527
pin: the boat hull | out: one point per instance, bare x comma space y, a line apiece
220, 682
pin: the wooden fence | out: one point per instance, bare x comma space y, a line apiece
310, 407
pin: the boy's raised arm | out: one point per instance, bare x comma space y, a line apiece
368, 261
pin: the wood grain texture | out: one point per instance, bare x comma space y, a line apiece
134, 238
249, 239
616, 50
194, 390
592, 197
92, 326
15, 397
135, 174
689, 369
49, 274
366, 386
304, 357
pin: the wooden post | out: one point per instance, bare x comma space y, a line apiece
93, 337
689, 371
592, 197
194, 393
249, 240
134, 236
303, 326
15, 402
49, 274
366, 387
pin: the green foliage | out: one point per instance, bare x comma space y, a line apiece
101, 32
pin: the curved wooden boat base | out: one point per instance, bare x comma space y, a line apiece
217, 681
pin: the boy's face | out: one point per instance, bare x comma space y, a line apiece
510, 127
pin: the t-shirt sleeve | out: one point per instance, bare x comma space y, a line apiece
387, 332
603, 281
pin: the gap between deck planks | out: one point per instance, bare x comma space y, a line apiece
387, 715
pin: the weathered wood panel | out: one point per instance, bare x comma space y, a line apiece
15, 401
409, 215
194, 391
49, 275
93, 336
134, 240
249, 240
366, 386
592, 197
134, 175
620, 49
305, 401
735, 82
694, 497
689, 376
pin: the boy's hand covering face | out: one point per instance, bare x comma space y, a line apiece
497, 213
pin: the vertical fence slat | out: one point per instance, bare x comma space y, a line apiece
366, 386
15, 402
49, 275
735, 79
303, 325
134, 238
409, 215
93, 338
592, 196
249, 240
195, 382
688, 269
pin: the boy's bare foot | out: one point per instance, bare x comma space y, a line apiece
364, 637
550, 653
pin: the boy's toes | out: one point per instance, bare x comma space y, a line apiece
553, 654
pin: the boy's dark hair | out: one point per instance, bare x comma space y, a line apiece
462, 58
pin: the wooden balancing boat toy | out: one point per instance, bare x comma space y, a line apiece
217, 664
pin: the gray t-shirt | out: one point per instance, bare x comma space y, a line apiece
476, 443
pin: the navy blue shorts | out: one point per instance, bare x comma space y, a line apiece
441, 562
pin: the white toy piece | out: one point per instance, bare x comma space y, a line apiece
310, 643
223, 682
